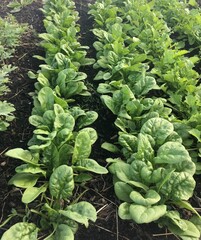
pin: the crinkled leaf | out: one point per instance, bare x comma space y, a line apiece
128, 141
21, 231
150, 198
124, 211
46, 98
27, 168
180, 227
144, 85
180, 186
61, 182
82, 148
92, 134
144, 148
80, 212
123, 172
172, 153
142, 214
158, 128
88, 119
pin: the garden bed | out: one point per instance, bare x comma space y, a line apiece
99, 191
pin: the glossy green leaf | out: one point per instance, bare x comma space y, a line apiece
185, 229
21, 231
179, 186
124, 211
63, 232
82, 148
150, 198
24, 155
88, 119
80, 212
31, 193
27, 168
24, 180
46, 98
61, 182
172, 153
122, 191
92, 134
90, 165
110, 147
158, 128
142, 214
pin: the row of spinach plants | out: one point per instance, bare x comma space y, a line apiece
184, 19
153, 173
171, 67
58, 158
11, 33
148, 35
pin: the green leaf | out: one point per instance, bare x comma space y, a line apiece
43, 80
23, 155
179, 186
31, 193
31, 75
144, 85
21, 231
36, 120
110, 147
6, 108
90, 165
63, 232
80, 212
124, 211
128, 141
27, 168
158, 128
123, 190
82, 177
92, 134
180, 227
46, 98
108, 101
61, 182
82, 148
88, 119
196, 220
172, 153
151, 197
142, 214
187, 205
23, 180
196, 133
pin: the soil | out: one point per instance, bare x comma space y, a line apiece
100, 193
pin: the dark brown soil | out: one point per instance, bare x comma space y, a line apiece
100, 193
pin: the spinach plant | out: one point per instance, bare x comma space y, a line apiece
17, 5
59, 152
153, 173
11, 32
132, 25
